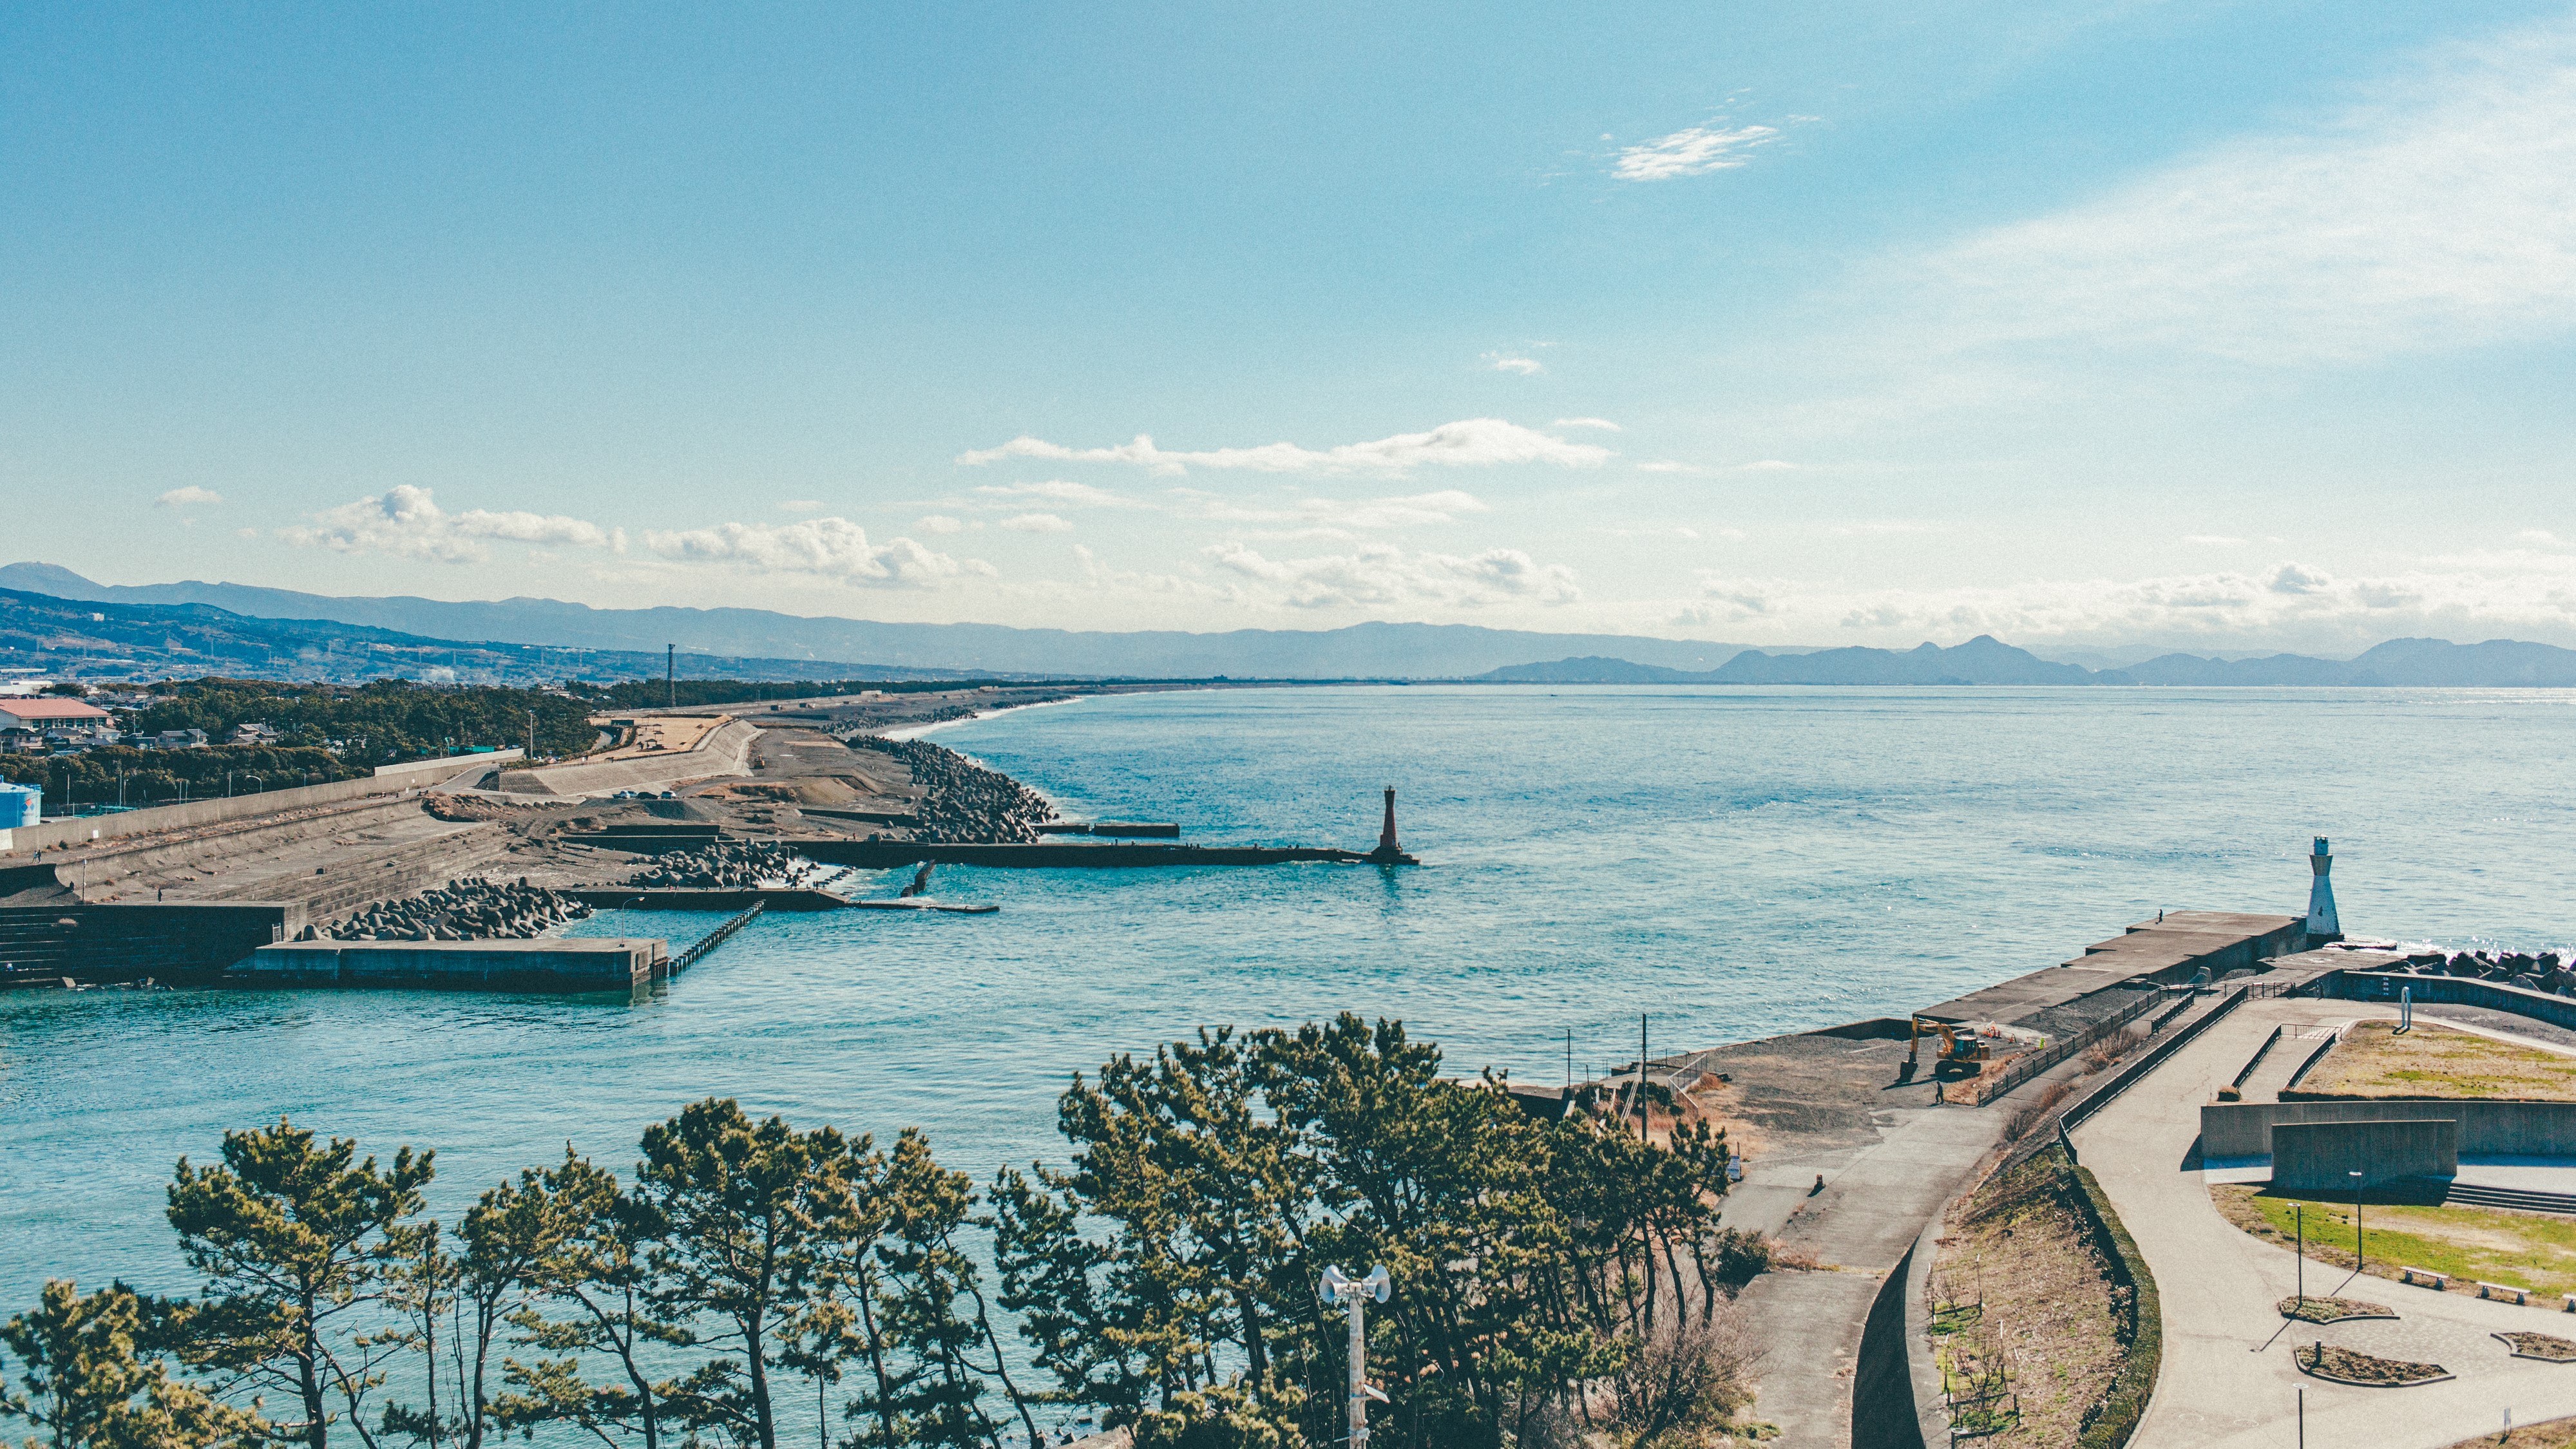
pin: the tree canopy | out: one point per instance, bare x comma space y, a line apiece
1556, 1280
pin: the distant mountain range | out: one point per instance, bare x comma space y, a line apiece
101, 640
1361, 651
2414, 663
53, 618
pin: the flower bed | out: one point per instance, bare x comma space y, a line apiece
2332, 1310
2540, 1346
2369, 1371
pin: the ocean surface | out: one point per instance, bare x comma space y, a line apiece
1730, 863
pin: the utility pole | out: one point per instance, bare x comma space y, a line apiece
1644, 1121
1342, 1289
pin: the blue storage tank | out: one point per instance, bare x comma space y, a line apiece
20, 805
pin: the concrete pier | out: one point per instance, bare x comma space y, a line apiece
568, 967
891, 854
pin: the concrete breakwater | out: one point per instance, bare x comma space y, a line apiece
961, 800
893, 854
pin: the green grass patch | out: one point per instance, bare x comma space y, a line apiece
2524, 1250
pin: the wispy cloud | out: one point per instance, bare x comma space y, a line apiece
1694, 152
2288, 605
189, 497
407, 522
1513, 362
1058, 491
1469, 443
830, 548
939, 523
2438, 213
1382, 575
2541, 536
1405, 511
1038, 523
1604, 424
1884, 527
2213, 540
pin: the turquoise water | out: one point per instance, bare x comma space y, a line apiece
1733, 863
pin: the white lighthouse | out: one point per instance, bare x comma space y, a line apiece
2322, 925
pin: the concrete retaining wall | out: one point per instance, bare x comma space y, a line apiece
2455, 991
582, 964
391, 780
40, 945
2314, 1156
2521, 1129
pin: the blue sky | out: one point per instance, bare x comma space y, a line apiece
2088, 325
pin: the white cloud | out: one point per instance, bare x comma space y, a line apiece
1512, 362
939, 523
1884, 527
1469, 443
1406, 511
2438, 213
1767, 465
1382, 575
2213, 540
1056, 490
192, 494
2522, 594
407, 522
2540, 536
803, 505
831, 548
1604, 424
1667, 465
1038, 523
1693, 152
2292, 578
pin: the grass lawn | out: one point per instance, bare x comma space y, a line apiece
2373, 1060
2526, 1250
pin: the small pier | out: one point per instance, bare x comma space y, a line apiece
574, 966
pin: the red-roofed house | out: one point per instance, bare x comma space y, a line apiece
50, 711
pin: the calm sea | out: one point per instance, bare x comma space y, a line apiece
1731, 863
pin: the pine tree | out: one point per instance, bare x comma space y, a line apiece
292, 1241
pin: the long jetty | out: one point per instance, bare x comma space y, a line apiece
893, 854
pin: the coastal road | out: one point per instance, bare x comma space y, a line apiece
2227, 1381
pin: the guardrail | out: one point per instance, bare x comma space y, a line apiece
2030, 1064
2053, 1131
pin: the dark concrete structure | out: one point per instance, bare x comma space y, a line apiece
2322, 1156
2509, 1129
42, 945
574, 966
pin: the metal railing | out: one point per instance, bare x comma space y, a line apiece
2030, 1064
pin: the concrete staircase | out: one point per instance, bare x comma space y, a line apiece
42, 945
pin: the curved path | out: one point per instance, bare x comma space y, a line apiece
2227, 1381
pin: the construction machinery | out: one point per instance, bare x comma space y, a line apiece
1965, 1046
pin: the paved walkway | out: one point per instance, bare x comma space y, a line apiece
2227, 1381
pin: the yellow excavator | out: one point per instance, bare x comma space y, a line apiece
1961, 1055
